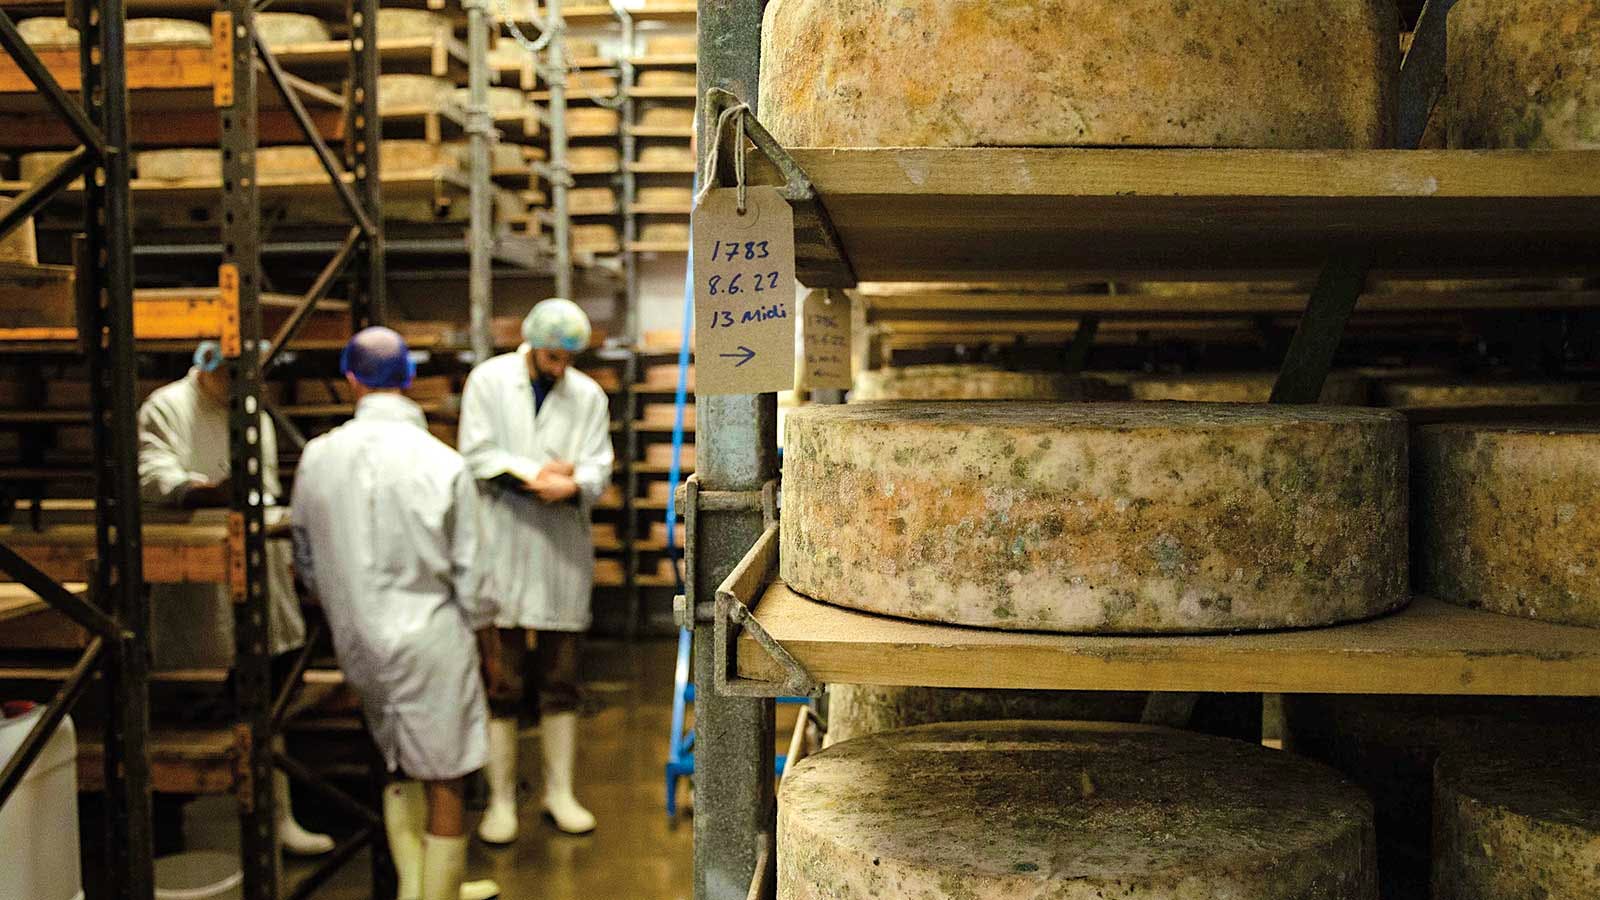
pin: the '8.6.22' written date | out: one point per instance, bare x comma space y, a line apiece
751, 284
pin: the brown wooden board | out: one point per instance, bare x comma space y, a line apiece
1429, 648
189, 761
1000, 214
172, 553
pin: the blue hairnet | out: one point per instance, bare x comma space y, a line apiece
556, 324
208, 355
379, 358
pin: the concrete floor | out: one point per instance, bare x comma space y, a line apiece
633, 855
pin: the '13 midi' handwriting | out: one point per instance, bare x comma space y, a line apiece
722, 318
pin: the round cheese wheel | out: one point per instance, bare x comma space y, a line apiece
411, 91
1192, 73
34, 166
590, 84
667, 117
398, 24
958, 382
1101, 517
501, 99
1524, 75
156, 31
665, 196
1508, 518
47, 31
1388, 745
664, 233
594, 238
180, 165
671, 44
591, 201
280, 28
1429, 392
1068, 811
859, 709
419, 155
1517, 824
666, 78
667, 155
1340, 388
580, 48
593, 157
592, 120
293, 161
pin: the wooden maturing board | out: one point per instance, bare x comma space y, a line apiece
172, 553
1008, 214
188, 761
985, 304
1429, 648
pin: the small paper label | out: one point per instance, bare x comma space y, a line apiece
744, 296
825, 342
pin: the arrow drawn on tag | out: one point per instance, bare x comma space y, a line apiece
744, 355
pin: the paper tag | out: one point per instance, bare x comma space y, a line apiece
825, 342
744, 293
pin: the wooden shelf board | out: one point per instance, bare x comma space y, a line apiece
951, 305
665, 60
677, 13
441, 56
1429, 648
663, 93
658, 131
150, 68
999, 214
661, 209
660, 169
173, 553
182, 761
658, 247
411, 184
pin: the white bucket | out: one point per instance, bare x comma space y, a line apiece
39, 823
203, 875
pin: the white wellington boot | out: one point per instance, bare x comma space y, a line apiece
405, 810
499, 825
558, 736
296, 841
444, 866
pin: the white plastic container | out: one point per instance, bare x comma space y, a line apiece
39, 823
202, 875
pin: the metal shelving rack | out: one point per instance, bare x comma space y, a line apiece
118, 614
1092, 214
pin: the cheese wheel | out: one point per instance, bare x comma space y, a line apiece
1524, 75
596, 158
1191, 73
47, 31
594, 238
667, 117
592, 120
667, 155
1517, 824
1508, 519
1340, 388
859, 709
579, 48
1068, 811
1102, 517
158, 31
293, 161
591, 201
501, 99
419, 155
1446, 392
590, 84
400, 24
20, 246
411, 91
35, 166
671, 44
1388, 745
664, 233
182, 164
666, 78
279, 28
962, 382
665, 196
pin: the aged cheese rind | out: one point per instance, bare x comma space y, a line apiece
1508, 519
180, 164
1068, 811
1524, 75
977, 382
1444, 392
280, 28
405, 91
1104, 517
47, 31
861, 709
1517, 825
501, 99
1389, 744
1180, 73
1339, 389
396, 24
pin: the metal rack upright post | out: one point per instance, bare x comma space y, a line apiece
118, 614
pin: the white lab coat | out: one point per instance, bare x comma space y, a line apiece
543, 554
183, 436
386, 525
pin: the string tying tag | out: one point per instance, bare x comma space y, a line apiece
734, 116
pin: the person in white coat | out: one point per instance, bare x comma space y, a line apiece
387, 541
184, 462
536, 434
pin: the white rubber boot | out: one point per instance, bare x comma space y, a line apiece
405, 812
295, 840
444, 864
499, 825
558, 736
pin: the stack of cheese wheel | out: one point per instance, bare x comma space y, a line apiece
1517, 824
1340, 388
1524, 75
404, 24
412, 92
969, 382
1098, 518
1199, 73
1069, 811
277, 29
181, 164
1508, 518
1432, 392
1389, 744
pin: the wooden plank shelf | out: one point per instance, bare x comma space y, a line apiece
680, 13
665, 60
173, 553
640, 168
1001, 214
663, 93
440, 55
1428, 648
657, 131
182, 761
661, 209
985, 306
658, 246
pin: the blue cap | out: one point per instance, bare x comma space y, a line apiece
379, 358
